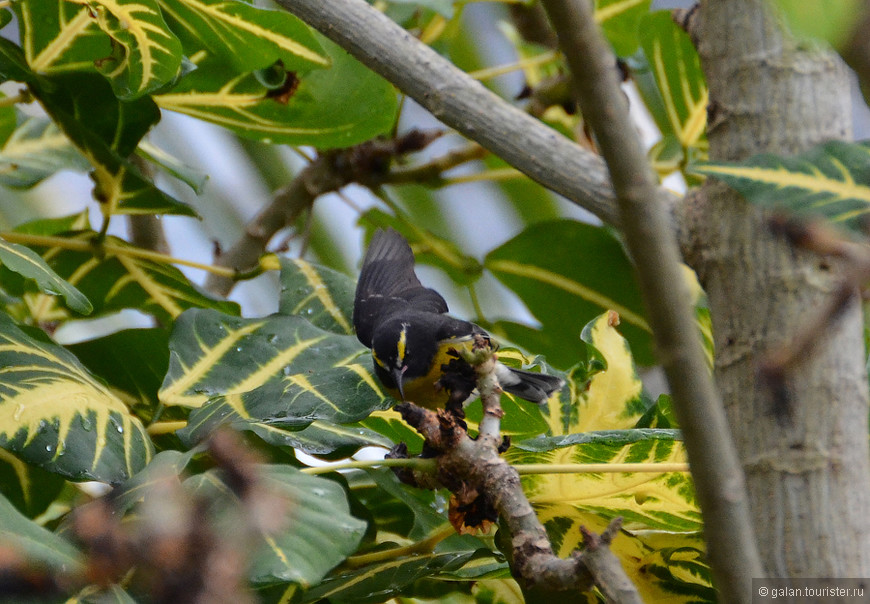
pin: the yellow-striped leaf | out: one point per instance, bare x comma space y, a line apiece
118, 278
318, 293
599, 427
334, 107
565, 285
831, 180
54, 414
27, 487
58, 35
619, 20
246, 36
30, 265
269, 375
679, 102
146, 54
36, 150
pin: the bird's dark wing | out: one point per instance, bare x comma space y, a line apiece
388, 284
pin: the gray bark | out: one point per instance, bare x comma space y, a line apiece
807, 466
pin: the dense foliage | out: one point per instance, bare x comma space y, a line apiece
139, 409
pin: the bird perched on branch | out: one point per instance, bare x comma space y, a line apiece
418, 349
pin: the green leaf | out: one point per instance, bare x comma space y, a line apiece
565, 285
321, 295
58, 35
28, 488
246, 36
146, 54
442, 7
831, 180
29, 264
113, 130
115, 277
319, 531
54, 414
280, 368
132, 362
166, 465
35, 544
676, 67
335, 107
832, 22
36, 150
619, 20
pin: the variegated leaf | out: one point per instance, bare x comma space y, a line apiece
58, 35
564, 288
280, 368
831, 180
680, 105
117, 277
246, 36
146, 54
322, 295
54, 414
619, 20
30, 265
334, 107
596, 426
36, 150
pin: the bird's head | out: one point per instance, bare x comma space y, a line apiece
402, 351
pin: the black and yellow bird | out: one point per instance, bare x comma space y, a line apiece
415, 345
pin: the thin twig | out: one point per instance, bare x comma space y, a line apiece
651, 242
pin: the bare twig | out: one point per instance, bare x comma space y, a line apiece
650, 239
368, 164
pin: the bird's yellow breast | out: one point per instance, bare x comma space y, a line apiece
423, 390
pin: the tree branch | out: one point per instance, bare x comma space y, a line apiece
479, 478
463, 103
651, 242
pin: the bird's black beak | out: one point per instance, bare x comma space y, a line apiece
398, 377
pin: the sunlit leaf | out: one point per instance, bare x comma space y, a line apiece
333, 107
54, 414
247, 36
146, 54
831, 180
189, 175
29, 264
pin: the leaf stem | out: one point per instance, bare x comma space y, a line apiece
421, 547
167, 427
487, 175
87, 245
497, 70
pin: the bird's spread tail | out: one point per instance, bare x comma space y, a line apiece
528, 385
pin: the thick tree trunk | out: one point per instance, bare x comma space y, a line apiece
808, 474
